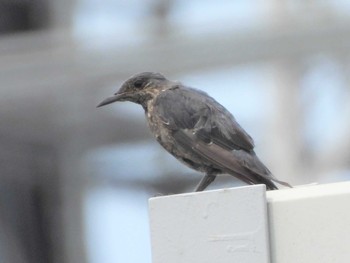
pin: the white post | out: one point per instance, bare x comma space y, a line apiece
218, 226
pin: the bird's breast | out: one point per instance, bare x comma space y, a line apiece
158, 127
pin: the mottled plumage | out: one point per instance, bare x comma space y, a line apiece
196, 129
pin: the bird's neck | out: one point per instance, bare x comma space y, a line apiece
145, 100
149, 97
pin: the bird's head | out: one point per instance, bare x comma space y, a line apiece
136, 88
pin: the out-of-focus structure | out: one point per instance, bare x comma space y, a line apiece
283, 70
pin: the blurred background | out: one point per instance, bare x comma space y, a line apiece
75, 180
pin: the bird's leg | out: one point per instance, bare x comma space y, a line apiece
204, 182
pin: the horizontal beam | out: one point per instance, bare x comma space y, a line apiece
310, 224
173, 55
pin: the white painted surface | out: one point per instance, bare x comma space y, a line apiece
307, 224
310, 224
220, 226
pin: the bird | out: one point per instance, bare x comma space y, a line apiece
196, 129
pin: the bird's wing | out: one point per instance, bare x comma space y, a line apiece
201, 125
186, 108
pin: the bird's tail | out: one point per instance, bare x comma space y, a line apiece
270, 182
270, 185
263, 174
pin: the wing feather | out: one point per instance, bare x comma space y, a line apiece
188, 108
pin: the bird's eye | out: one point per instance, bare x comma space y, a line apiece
138, 83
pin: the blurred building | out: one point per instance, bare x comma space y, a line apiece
75, 180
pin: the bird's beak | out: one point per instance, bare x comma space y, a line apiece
117, 97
